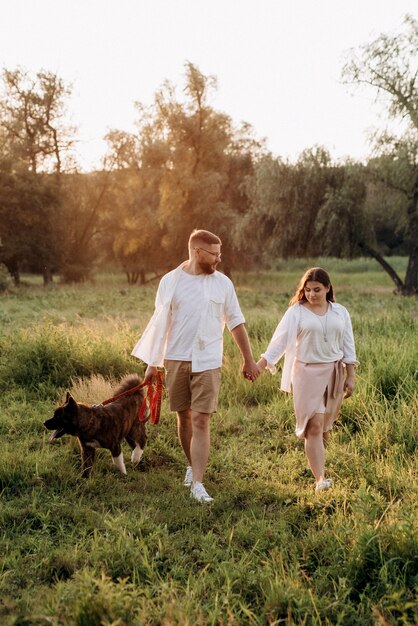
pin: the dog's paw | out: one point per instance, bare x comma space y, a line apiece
136, 456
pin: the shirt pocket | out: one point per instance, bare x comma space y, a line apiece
216, 308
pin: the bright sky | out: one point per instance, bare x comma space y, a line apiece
278, 62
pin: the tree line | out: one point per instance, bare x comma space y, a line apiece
188, 165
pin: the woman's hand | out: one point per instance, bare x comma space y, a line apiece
349, 386
261, 364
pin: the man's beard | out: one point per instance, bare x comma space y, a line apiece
207, 268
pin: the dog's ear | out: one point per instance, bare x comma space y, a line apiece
68, 396
71, 403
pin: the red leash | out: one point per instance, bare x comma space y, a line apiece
154, 398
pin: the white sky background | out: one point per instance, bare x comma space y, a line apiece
278, 62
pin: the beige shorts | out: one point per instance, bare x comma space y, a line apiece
197, 391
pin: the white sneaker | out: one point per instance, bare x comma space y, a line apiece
188, 479
199, 493
323, 484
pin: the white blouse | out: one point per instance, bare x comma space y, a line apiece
320, 337
285, 341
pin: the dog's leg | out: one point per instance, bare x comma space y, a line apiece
119, 462
136, 455
137, 439
87, 459
137, 449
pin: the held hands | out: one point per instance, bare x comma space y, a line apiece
258, 368
250, 371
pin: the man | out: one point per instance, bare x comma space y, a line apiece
185, 334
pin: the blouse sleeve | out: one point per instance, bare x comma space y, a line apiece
278, 342
348, 342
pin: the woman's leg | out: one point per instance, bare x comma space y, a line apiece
314, 445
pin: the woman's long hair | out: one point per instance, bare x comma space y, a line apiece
320, 276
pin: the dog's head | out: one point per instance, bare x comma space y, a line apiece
64, 420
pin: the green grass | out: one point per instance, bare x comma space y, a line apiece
134, 550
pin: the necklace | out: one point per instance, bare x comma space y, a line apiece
324, 325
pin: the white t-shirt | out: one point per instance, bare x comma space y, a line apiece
319, 337
186, 310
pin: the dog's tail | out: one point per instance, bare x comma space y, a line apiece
130, 382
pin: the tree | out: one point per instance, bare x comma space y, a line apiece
135, 233
186, 166
32, 112
28, 231
263, 231
286, 202
34, 148
88, 203
342, 226
390, 66
195, 177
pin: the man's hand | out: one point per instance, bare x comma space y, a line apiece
150, 374
250, 371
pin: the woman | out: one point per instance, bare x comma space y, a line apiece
316, 337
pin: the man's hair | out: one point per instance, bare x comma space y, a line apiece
202, 236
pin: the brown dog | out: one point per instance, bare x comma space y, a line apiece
101, 426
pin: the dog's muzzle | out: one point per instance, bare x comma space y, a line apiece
56, 434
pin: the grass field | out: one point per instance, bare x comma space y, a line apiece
135, 550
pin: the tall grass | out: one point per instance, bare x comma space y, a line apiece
135, 550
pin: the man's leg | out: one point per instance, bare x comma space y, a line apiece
200, 444
184, 431
194, 435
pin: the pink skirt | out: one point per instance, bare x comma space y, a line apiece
317, 388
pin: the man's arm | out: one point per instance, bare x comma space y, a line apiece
249, 368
